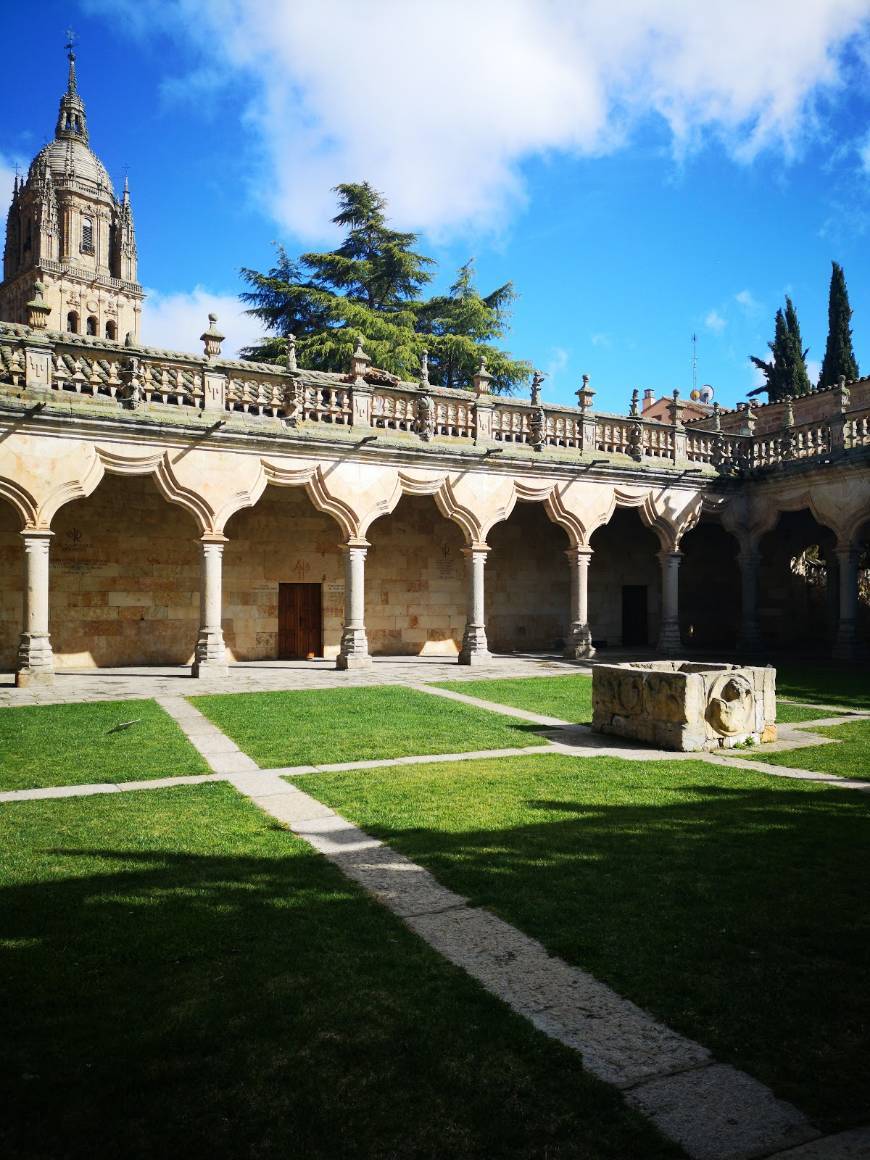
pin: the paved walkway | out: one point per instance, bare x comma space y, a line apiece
73, 685
712, 1110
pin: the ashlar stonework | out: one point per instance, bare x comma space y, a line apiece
685, 705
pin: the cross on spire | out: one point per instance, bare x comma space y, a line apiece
71, 57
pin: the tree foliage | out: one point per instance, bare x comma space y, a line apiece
839, 355
786, 373
371, 286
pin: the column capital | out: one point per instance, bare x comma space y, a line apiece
580, 552
37, 534
847, 552
212, 538
354, 542
670, 555
478, 547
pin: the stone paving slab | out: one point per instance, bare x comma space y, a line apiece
221, 754
58, 791
417, 759
719, 1113
492, 706
850, 1145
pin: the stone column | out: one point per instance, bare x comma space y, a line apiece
580, 641
211, 654
475, 650
35, 660
669, 631
354, 651
844, 646
749, 639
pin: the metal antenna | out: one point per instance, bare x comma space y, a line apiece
694, 362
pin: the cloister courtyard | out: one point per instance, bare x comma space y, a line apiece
421, 910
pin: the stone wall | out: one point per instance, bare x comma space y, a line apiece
528, 583
415, 582
710, 591
795, 612
11, 584
625, 554
124, 578
282, 539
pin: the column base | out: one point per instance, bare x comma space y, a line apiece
210, 654
670, 643
846, 645
209, 669
475, 647
354, 651
580, 643
35, 660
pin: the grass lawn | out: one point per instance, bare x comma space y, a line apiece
182, 977
825, 685
731, 905
849, 758
44, 745
320, 726
568, 698
789, 713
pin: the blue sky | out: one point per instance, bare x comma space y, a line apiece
642, 171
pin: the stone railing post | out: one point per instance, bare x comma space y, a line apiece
580, 639
749, 638
38, 369
670, 642
360, 390
35, 660
675, 410
838, 422
585, 395
354, 650
210, 657
483, 405
475, 649
846, 640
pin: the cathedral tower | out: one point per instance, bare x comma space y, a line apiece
68, 231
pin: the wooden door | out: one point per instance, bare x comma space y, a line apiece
299, 621
635, 629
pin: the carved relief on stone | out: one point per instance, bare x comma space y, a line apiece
730, 707
425, 417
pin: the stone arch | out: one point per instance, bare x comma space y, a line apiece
798, 601
528, 580
415, 580
710, 586
11, 583
625, 579
283, 538
125, 577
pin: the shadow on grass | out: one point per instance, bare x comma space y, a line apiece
157, 1002
737, 915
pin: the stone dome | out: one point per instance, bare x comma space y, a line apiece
69, 158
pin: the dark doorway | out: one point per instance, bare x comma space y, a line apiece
635, 628
299, 621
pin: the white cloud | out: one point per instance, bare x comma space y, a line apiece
715, 322
557, 362
175, 321
747, 301
601, 339
7, 178
440, 105
864, 154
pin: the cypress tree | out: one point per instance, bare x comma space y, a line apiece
839, 356
786, 373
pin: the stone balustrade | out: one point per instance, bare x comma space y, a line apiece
133, 378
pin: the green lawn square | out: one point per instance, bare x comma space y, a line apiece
184, 978
322, 726
730, 904
849, 757
44, 745
569, 698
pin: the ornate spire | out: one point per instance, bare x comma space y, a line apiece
71, 122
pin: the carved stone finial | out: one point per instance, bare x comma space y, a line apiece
37, 309
537, 380
359, 362
481, 381
585, 395
634, 405
291, 352
424, 370
843, 395
675, 409
212, 338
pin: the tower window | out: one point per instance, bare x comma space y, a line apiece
87, 235
111, 331
72, 322
92, 325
